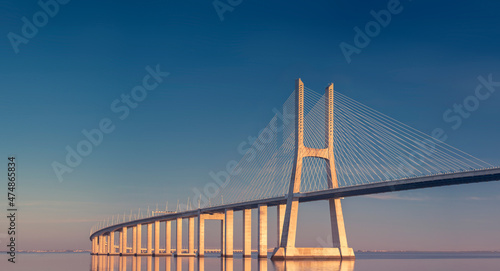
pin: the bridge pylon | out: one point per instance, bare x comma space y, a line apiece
287, 248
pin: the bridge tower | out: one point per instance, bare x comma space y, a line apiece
287, 249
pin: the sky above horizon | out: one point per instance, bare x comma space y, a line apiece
225, 77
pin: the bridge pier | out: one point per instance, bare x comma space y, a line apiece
106, 249
201, 235
120, 247
201, 231
228, 252
111, 244
262, 231
101, 244
223, 236
149, 241
124, 242
157, 238
247, 232
92, 248
178, 247
134, 240
98, 245
191, 236
168, 237
139, 239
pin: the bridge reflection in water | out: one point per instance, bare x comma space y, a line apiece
131, 263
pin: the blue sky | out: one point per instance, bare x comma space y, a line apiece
225, 79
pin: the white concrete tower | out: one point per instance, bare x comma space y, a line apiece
287, 248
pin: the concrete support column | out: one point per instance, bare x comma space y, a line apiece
178, 246
223, 237
111, 244
157, 237
120, 249
168, 237
139, 238
96, 245
104, 251
101, 244
229, 215
134, 240
281, 217
191, 236
92, 247
247, 232
262, 230
201, 236
125, 235
150, 239
106, 244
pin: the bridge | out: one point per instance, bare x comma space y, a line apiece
314, 148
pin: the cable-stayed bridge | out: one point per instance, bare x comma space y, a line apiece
316, 147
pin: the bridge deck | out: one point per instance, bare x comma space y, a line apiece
475, 176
